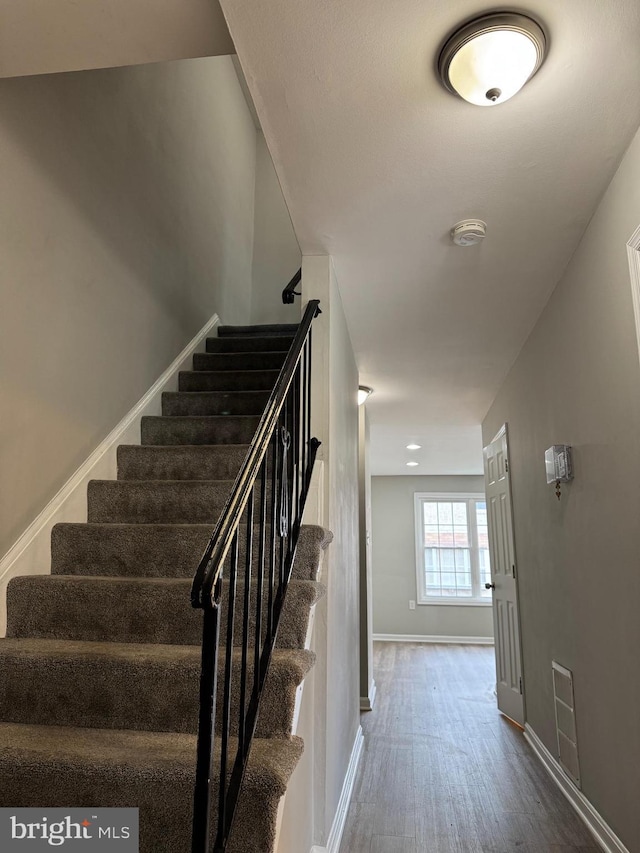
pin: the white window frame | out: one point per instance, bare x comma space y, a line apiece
421, 597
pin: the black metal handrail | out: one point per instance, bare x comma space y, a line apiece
266, 504
289, 293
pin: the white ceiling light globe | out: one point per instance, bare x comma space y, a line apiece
363, 394
489, 60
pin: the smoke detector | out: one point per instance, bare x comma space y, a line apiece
469, 232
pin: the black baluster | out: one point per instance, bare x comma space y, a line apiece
304, 428
260, 586
308, 437
221, 839
296, 442
206, 723
245, 627
275, 490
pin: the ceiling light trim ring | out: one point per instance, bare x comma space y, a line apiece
494, 22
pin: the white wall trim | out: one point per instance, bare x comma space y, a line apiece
31, 553
308, 644
366, 702
594, 822
340, 819
433, 638
633, 255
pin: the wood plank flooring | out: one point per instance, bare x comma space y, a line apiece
443, 772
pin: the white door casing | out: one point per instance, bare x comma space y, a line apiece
506, 621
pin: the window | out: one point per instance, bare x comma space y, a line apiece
452, 549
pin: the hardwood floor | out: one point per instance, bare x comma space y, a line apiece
443, 772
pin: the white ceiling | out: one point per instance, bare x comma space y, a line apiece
377, 162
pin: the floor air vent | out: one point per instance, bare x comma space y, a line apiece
566, 721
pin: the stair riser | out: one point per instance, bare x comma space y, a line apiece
163, 792
170, 551
271, 330
238, 360
100, 610
199, 403
240, 380
199, 430
249, 344
140, 696
193, 462
171, 502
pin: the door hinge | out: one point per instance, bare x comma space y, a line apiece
513, 570
506, 465
521, 685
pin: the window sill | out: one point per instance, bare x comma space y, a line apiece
454, 602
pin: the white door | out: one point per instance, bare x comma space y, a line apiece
503, 578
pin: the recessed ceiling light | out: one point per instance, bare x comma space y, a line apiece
363, 393
412, 464
414, 446
488, 60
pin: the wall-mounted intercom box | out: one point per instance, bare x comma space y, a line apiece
557, 460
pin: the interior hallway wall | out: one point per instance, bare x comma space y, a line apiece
126, 221
330, 715
394, 562
276, 253
577, 381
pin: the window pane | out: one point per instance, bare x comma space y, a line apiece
461, 537
431, 537
463, 560
460, 513
430, 512
485, 572
445, 513
446, 544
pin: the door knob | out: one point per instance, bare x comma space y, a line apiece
489, 586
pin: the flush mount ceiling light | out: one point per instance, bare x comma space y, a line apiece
412, 464
414, 446
363, 393
488, 60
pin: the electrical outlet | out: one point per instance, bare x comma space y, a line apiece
412, 605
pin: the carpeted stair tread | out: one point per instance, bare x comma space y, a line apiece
180, 461
138, 610
152, 550
264, 330
224, 361
249, 343
185, 403
156, 501
65, 766
211, 429
133, 686
101, 665
221, 380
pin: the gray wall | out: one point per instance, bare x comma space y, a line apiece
276, 254
330, 708
343, 623
577, 381
40, 37
126, 222
394, 562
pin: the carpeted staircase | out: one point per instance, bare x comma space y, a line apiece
101, 662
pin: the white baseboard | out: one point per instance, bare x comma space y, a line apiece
366, 702
340, 819
435, 638
595, 823
31, 554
